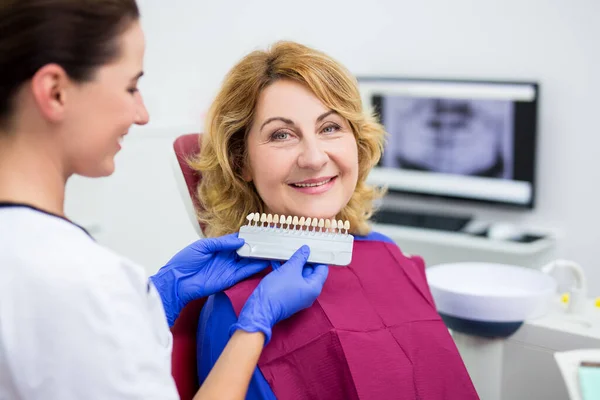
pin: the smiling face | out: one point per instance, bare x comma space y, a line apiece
302, 156
101, 111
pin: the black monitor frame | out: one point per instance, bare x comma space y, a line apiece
525, 128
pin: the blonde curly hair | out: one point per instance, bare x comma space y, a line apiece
225, 197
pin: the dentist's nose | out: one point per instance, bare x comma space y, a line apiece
141, 112
312, 156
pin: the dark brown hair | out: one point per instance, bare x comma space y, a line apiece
78, 35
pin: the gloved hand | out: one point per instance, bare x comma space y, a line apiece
286, 290
205, 267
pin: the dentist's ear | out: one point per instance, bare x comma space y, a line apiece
48, 87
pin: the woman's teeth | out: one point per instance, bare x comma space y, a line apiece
312, 184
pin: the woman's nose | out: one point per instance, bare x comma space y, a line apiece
313, 156
141, 113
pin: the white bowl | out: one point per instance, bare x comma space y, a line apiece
489, 299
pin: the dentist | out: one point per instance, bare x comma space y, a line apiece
78, 321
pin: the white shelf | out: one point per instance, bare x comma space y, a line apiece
441, 246
398, 233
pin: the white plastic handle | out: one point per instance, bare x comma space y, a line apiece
578, 294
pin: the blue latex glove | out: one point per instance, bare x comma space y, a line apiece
205, 267
287, 289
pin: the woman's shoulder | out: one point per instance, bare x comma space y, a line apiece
374, 236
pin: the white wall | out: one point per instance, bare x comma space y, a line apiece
191, 45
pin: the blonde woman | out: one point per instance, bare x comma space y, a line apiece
287, 134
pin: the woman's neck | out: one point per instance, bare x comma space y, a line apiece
31, 173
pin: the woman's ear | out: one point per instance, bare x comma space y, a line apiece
246, 171
247, 174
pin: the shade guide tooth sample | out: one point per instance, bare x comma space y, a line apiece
265, 239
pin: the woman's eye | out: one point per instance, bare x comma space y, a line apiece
132, 90
331, 128
281, 135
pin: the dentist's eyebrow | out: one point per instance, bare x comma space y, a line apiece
268, 121
325, 115
138, 76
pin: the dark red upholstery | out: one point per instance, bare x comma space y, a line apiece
185, 146
183, 361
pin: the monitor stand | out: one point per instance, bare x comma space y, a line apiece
419, 219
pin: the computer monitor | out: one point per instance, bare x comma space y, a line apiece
456, 139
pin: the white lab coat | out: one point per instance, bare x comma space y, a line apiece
76, 320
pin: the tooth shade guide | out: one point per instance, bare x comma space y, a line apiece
302, 224
314, 224
274, 241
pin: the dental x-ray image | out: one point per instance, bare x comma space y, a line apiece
471, 137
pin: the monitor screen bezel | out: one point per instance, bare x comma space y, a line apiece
533, 138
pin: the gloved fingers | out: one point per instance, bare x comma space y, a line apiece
298, 259
222, 243
275, 264
247, 267
307, 271
318, 276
